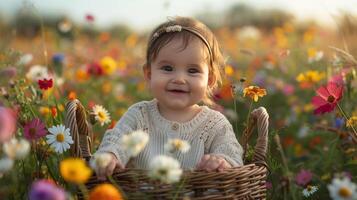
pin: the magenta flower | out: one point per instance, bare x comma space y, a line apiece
46, 190
7, 124
35, 129
303, 177
327, 98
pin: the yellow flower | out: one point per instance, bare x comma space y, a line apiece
229, 70
122, 64
105, 191
107, 87
45, 110
75, 170
308, 107
131, 41
310, 77
108, 65
254, 92
314, 55
352, 122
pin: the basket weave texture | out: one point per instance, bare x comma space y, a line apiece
244, 182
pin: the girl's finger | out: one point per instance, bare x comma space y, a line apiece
213, 164
119, 165
203, 162
110, 168
100, 174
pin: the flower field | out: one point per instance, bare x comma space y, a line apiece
304, 75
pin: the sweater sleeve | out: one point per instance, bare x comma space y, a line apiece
225, 144
111, 140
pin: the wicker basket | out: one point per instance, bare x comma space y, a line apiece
245, 182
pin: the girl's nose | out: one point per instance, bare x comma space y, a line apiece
179, 78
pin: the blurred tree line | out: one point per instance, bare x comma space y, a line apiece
28, 24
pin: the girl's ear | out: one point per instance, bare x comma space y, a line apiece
147, 72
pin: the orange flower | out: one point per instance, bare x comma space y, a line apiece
226, 92
254, 92
105, 192
72, 95
54, 111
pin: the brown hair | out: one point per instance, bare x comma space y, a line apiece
192, 29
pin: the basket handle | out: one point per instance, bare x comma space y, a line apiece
80, 129
259, 117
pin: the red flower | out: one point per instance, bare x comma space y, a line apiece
95, 69
327, 98
45, 84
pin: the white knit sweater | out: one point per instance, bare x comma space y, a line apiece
209, 132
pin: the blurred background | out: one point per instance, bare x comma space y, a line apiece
94, 51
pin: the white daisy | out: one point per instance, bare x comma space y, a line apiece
59, 138
177, 145
25, 59
101, 115
342, 189
165, 169
37, 72
135, 142
100, 161
309, 190
17, 149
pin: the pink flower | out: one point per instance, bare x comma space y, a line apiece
327, 98
268, 185
7, 124
303, 177
90, 18
288, 89
35, 129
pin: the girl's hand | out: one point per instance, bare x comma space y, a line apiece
102, 173
212, 162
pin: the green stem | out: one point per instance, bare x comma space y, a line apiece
49, 170
180, 186
285, 163
354, 137
235, 109
32, 111
84, 191
250, 110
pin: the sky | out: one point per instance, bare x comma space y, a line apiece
144, 14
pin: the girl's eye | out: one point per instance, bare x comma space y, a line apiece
167, 68
193, 70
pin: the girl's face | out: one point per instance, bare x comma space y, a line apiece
178, 78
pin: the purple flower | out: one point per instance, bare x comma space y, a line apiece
35, 129
58, 58
339, 122
46, 190
303, 177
